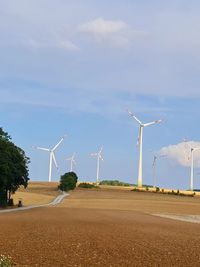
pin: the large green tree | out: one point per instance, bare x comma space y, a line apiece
68, 181
13, 168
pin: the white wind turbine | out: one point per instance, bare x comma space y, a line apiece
154, 165
52, 157
191, 158
140, 142
72, 162
192, 167
99, 157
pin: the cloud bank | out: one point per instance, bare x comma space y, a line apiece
181, 153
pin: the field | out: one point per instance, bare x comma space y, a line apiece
36, 193
102, 227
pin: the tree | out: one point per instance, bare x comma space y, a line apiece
13, 168
68, 181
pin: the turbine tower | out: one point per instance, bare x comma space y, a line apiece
192, 167
99, 157
140, 142
154, 165
72, 161
52, 157
189, 147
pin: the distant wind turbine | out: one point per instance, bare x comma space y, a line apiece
72, 161
99, 157
52, 157
192, 167
189, 147
154, 165
140, 142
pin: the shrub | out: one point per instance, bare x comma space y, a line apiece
68, 181
114, 183
5, 261
87, 185
135, 189
163, 191
157, 189
147, 188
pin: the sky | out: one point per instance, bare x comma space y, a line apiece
72, 67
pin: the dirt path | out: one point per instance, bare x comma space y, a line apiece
54, 202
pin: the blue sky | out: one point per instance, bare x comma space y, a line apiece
73, 66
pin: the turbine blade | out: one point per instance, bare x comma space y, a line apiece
54, 159
100, 150
133, 116
101, 157
93, 154
41, 148
56, 146
152, 123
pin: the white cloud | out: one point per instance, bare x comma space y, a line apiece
181, 153
116, 32
101, 27
66, 45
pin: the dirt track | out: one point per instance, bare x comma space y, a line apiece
97, 236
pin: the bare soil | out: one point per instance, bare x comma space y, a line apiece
104, 228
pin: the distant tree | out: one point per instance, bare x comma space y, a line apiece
87, 185
68, 181
114, 183
13, 168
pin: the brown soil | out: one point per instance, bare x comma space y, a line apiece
112, 231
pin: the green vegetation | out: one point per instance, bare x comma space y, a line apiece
87, 185
13, 168
68, 181
114, 183
5, 261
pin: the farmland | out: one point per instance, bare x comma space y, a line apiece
102, 227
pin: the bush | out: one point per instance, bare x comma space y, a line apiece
135, 189
157, 189
163, 191
5, 261
114, 183
87, 185
147, 188
68, 181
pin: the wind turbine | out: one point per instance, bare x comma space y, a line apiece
52, 157
189, 147
140, 142
99, 157
154, 165
72, 161
192, 167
